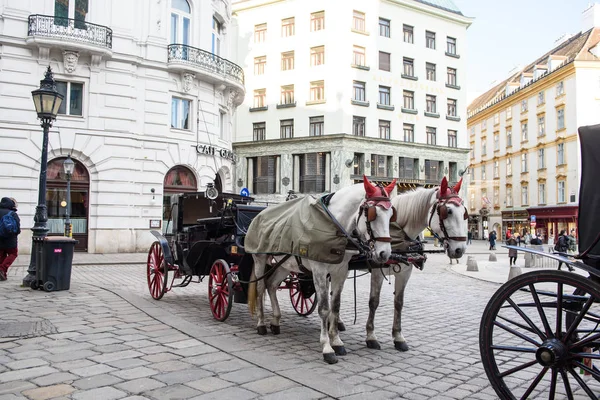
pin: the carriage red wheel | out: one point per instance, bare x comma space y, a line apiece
303, 305
220, 290
157, 271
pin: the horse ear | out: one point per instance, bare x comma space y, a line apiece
389, 188
369, 188
456, 187
443, 187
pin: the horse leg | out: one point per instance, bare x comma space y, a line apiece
376, 282
400, 284
272, 286
322, 289
338, 278
256, 299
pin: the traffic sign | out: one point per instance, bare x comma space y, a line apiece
532, 218
244, 192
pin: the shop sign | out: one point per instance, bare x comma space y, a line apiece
216, 151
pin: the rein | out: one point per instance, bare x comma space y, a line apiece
362, 248
443, 201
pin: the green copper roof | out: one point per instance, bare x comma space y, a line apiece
447, 5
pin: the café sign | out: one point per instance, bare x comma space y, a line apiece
216, 151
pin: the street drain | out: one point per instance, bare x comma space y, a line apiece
28, 329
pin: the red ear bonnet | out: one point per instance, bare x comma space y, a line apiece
369, 188
389, 188
456, 187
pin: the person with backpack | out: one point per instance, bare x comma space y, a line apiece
492, 240
561, 245
10, 228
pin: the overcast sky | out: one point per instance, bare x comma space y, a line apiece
509, 33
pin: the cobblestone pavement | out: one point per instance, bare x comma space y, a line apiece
106, 338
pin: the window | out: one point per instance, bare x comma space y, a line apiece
217, 37
541, 98
358, 56
523, 162
265, 174
452, 107
259, 65
541, 193
496, 141
358, 21
359, 162
359, 91
496, 118
509, 166
524, 195
286, 128
288, 27
483, 125
541, 159
64, 9
317, 21
541, 125
431, 133
260, 98
562, 198
180, 113
430, 39
408, 32
451, 45
380, 166
221, 125
312, 173
430, 71
472, 177
496, 169
524, 106
509, 197
317, 91
496, 196
560, 119
72, 103
523, 131
432, 170
409, 66
180, 21
384, 95
451, 75
259, 131
384, 129
358, 126
406, 168
260, 33
472, 151
287, 61
316, 125
384, 61
431, 104
409, 133
409, 99
484, 196
508, 137
483, 148
560, 88
384, 27
452, 138
509, 113
287, 94
317, 56
560, 153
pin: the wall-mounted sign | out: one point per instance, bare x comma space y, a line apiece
218, 151
155, 223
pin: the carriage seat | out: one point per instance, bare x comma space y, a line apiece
244, 216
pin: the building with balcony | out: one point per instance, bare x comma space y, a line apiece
150, 96
525, 163
341, 89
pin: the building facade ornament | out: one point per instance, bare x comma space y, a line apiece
188, 81
70, 59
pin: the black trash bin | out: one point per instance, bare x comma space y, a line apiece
53, 271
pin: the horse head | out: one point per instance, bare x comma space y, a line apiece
448, 219
378, 211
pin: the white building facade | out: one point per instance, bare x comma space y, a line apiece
339, 89
148, 111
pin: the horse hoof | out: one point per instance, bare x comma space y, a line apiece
275, 329
401, 346
339, 350
330, 358
373, 344
262, 330
341, 327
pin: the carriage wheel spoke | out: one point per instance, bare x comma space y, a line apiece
519, 334
559, 300
526, 318
553, 383
517, 369
578, 319
585, 341
535, 383
536, 298
583, 385
518, 325
566, 383
593, 372
513, 348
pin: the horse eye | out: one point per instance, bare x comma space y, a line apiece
449, 211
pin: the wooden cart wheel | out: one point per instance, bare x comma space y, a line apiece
303, 305
157, 271
220, 290
539, 337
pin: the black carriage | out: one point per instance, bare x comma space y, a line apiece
207, 240
540, 332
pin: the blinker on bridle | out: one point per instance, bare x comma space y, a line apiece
441, 207
369, 209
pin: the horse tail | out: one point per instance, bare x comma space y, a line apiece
252, 293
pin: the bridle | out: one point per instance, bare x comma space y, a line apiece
441, 207
369, 209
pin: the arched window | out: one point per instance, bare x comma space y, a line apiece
180, 22
179, 179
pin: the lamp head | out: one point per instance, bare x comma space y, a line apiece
211, 192
69, 166
46, 99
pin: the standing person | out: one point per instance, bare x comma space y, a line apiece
512, 253
492, 240
551, 241
10, 228
469, 237
518, 237
561, 245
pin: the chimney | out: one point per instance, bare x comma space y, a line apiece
591, 17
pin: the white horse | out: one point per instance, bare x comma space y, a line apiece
347, 206
440, 209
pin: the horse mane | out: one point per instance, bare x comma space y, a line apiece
412, 209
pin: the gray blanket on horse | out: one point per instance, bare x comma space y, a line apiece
300, 227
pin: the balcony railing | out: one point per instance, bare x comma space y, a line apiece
72, 29
205, 60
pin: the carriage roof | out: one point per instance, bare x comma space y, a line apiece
589, 189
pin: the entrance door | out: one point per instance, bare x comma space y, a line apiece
56, 201
178, 180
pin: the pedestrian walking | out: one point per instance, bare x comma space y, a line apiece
492, 239
512, 253
469, 237
561, 245
10, 228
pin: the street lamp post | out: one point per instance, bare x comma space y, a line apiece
47, 101
69, 167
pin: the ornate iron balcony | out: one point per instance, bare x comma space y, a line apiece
205, 60
71, 29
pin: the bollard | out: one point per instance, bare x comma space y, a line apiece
529, 260
472, 264
513, 272
493, 257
